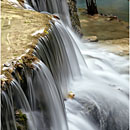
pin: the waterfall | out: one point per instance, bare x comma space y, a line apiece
57, 51
61, 63
58, 7
37, 96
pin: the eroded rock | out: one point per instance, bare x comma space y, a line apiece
21, 120
90, 38
17, 26
74, 16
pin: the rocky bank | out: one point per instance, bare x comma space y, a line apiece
106, 31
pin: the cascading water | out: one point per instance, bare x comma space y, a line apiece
58, 7
99, 83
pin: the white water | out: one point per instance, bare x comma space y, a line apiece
101, 90
104, 85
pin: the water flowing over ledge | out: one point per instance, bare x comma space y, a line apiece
37, 83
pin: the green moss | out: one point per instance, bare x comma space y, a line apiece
21, 120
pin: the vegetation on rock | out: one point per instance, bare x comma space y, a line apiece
21, 120
74, 16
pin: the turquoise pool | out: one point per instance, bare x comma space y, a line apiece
119, 8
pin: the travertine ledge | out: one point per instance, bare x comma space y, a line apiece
21, 30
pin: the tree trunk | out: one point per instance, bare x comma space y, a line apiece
91, 7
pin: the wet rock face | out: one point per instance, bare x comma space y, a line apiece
74, 16
21, 120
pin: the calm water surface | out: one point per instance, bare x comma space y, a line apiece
119, 8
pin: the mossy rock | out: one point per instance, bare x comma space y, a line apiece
21, 120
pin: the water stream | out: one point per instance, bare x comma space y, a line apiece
98, 79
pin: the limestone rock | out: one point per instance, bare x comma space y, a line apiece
117, 46
90, 38
74, 16
17, 27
